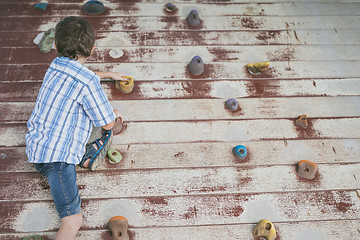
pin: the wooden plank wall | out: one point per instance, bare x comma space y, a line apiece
179, 179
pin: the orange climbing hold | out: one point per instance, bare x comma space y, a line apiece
307, 169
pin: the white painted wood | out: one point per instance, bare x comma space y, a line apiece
196, 37
242, 22
216, 54
277, 9
187, 181
320, 230
188, 155
235, 70
180, 211
214, 109
214, 131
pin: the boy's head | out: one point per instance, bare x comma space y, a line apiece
74, 37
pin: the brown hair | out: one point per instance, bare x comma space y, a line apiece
74, 37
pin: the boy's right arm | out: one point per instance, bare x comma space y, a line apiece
111, 125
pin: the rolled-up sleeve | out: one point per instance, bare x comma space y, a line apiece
96, 104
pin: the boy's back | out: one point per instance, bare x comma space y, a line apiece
68, 105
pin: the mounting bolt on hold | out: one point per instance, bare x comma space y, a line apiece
169, 7
257, 68
196, 65
93, 7
125, 86
265, 228
240, 151
118, 226
302, 121
232, 104
307, 169
193, 18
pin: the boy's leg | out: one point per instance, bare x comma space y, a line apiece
65, 192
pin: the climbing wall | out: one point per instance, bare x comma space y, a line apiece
179, 178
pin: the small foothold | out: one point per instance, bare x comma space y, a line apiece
196, 65
302, 121
3, 155
169, 7
118, 226
232, 104
114, 155
41, 6
257, 68
119, 126
125, 86
240, 151
33, 237
266, 229
47, 41
193, 18
93, 7
307, 169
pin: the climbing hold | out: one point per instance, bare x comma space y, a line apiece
41, 6
33, 237
266, 229
240, 151
47, 41
169, 7
193, 18
307, 169
232, 104
118, 226
196, 65
301, 121
257, 68
118, 127
125, 86
114, 155
93, 7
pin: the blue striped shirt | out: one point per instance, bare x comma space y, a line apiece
70, 104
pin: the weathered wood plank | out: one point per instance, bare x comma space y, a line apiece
200, 38
214, 131
188, 155
174, 22
189, 210
25, 55
202, 109
291, 231
198, 89
156, 9
185, 181
213, 71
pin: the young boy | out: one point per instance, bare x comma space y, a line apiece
70, 103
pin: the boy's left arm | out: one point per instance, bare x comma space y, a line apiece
111, 75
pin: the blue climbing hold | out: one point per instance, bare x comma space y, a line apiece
240, 151
169, 7
93, 7
41, 6
193, 18
232, 104
196, 65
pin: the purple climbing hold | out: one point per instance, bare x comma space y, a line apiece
196, 66
193, 18
232, 104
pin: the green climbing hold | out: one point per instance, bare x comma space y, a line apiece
114, 156
47, 41
33, 237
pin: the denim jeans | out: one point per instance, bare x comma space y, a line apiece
64, 190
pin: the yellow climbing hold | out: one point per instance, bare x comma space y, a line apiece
266, 229
125, 86
257, 68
